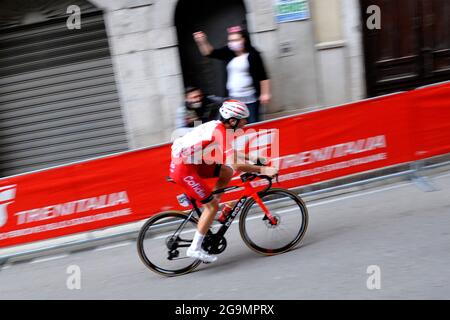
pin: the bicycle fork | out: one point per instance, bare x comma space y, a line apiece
258, 200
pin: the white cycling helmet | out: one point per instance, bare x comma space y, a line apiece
234, 109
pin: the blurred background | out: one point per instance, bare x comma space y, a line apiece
114, 83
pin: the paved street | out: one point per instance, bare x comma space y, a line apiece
397, 227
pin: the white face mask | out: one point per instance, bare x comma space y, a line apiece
195, 105
236, 45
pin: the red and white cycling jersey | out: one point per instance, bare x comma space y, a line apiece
198, 155
207, 143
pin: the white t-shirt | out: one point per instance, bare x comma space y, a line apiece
240, 82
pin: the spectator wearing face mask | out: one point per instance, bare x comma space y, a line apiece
247, 80
197, 108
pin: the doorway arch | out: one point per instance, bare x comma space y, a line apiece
212, 17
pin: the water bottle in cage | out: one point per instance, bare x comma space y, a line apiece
183, 200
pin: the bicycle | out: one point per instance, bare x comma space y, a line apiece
261, 212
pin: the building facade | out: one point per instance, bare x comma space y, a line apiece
81, 79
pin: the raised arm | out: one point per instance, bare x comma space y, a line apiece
202, 42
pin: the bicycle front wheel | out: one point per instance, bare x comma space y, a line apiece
163, 241
291, 215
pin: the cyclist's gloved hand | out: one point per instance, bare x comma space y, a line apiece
269, 171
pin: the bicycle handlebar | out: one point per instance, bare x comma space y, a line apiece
252, 176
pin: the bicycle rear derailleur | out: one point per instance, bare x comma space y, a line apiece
214, 244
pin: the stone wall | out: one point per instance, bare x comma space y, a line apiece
145, 55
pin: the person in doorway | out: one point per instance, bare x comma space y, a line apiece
247, 79
197, 108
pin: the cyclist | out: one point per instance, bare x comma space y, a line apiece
193, 160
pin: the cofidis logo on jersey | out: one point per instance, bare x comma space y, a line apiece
7, 196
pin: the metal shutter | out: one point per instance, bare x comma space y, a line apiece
58, 97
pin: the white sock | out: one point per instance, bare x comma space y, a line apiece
197, 241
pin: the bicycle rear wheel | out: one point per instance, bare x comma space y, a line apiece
162, 244
292, 221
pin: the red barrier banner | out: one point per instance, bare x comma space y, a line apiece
85, 196
431, 121
312, 147
340, 141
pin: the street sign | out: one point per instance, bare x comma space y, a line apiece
291, 10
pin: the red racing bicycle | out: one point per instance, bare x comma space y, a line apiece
272, 221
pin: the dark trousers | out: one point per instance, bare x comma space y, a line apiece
254, 112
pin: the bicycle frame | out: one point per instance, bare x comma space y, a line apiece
215, 242
248, 191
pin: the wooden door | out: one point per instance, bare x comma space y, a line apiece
411, 49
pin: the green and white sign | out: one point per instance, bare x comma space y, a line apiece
291, 10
